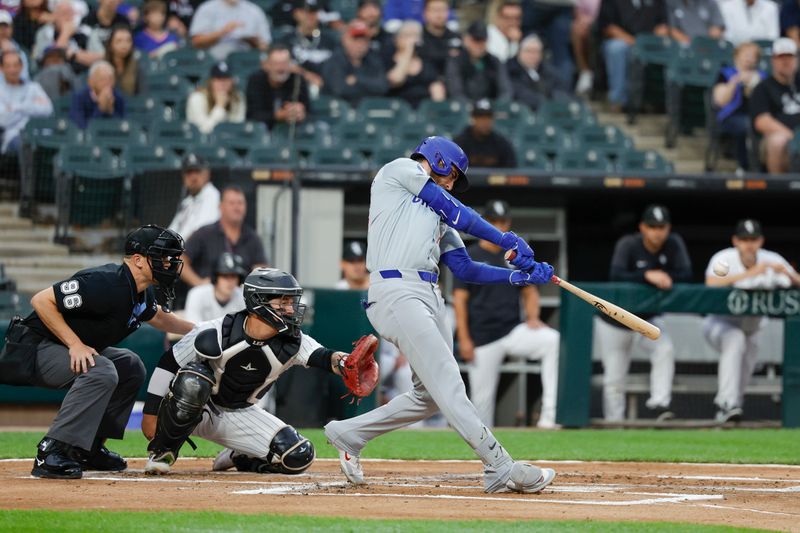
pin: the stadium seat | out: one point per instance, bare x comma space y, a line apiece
337, 155
648, 58
179, 136
219, 156
329, 109
544, 138
151, 157
609, 139
346, 8
689, 77
449, 116
384, 111
584, 160
144, 109
385, 155
643, 162
42, 138
62, 104
409, 134
168, 87
272, 155
717, 50
365, 137
531, 158
115, 133
508, 116
307, 136
189, 63
244, 62
569, 115
241, 137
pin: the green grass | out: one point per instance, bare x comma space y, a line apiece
202, 522
779, 446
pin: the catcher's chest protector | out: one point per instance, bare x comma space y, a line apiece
247, 375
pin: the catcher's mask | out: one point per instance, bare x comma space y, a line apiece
443, 155
162, 247
269, 292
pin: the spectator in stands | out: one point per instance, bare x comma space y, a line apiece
475, 73
130, 75
438, 41
732, 94
658, 257
619, 22
488, 328
180, 14
411, 78
225, 26
222, 296
370, 12
200, 204
219, 100
355, 275
56, 75
155, 39
228, 234
485, 147
694, 18
32, 15
7, 42
396, 11
19, 101
352, 72
274, 94
101, 20
552, 21
583, 24
532, 82
281, 14
750, 20
99, 99
64, 33
505, 32
736, 337
311, 44
775, 107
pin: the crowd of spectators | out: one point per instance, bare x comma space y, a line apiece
529, 52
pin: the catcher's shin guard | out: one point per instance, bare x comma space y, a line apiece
181, 409
289, 453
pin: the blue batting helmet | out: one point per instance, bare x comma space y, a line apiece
442, 155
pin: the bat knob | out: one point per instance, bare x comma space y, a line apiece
510, 255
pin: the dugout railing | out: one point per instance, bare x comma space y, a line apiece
575, 369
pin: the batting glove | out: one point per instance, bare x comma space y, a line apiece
523, 258
540, 273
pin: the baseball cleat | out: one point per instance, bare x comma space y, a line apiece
734, 414
529, 479
100, 458
54, 461
351, 468
158, 464
223, 461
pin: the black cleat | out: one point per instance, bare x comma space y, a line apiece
54, 461
100, 458
661, 413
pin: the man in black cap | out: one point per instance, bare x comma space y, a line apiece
200, 204
746, 265
68, 342
311, 43
475, 73
354, 267
656, 256
485, 147
488, 328
222, 296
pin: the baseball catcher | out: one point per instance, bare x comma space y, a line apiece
207, 385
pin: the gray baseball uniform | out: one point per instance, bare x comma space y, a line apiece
405, 241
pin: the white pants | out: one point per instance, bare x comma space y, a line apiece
522, 341
616, 345
249, 430
737, 360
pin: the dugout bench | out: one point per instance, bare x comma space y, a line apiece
576, 319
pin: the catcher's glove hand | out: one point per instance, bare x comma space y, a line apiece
359, 369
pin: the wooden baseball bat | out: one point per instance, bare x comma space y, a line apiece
616, 312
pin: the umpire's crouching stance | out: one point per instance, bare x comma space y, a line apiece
66, 342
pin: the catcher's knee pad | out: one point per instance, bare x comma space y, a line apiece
182, 408
289, 453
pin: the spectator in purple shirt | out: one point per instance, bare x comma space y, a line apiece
154, 39
99, 99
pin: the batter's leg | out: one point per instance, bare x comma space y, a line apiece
484, 374
615, 348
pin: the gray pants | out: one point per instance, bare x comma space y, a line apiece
99, 402
411, 315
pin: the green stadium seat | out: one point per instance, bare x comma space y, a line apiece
329, 109
115, 133
569, 115
243, 63
240, 137
385, 155
409, 134
365, 137
384, 111
62, 104
689, 77
644, 162
347, 8
508, 116
168, 87
450, 116
543, 137
308, 136
648, 58
651, 49
608, 138
531, 158
276, 154
42, 138
144, 109
717, 50
179, 136
219, 156
584, 160
190, 63
150, 157
337, 155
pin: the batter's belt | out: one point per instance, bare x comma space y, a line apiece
405, 274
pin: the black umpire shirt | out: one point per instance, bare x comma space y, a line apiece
492, 151
209, 242
100, 305
493, 309
631, 260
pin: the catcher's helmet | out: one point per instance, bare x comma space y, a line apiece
162, 247
265, 284
229, 263
442, 155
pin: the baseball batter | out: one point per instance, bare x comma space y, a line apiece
412, 225
736, 337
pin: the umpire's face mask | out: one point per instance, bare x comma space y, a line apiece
166, 269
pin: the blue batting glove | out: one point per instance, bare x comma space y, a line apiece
540, 273
508, 241
519, 278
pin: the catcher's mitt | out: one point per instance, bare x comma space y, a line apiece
359, 369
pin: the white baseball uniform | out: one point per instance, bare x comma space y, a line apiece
405, 306
736, 337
